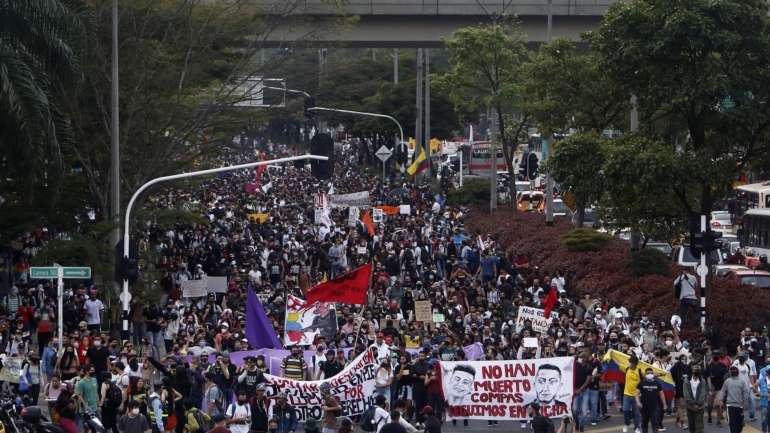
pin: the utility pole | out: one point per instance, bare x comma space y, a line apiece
495, 134
636, 237
426, 59
703, 269
545, 151
418, 102
395, 65
114, 138
321, 62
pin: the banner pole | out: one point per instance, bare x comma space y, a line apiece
366, 305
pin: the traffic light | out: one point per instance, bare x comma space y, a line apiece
532, 166
523, 166
322, 145
704, 242
126, 268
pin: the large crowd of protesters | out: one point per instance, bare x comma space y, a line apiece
174, 373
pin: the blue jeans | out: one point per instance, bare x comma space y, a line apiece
752, 403
631, 411
593, 404
765, 420
580, 409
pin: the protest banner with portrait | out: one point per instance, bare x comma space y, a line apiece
536, 317
503, 390
354, 387
306, 322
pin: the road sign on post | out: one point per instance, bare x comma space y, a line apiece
60, 273
384, 153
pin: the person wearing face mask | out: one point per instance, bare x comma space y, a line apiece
747, 371
220, 424
736, 395
68, 365
716, 373
52, 391
239, 414
695, 394
250, 377
680, 371
649, 398
133, 421
98, 356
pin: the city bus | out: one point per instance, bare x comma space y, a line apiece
754, 233
750, 196
481, 159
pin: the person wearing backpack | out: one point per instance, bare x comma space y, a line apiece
540, 423
239, 414
110, 400
213, 398
196, 421
376, 416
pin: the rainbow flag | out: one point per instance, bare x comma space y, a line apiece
616, 364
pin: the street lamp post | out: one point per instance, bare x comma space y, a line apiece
125, 299
362, 113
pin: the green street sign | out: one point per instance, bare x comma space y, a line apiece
52, 272
43, 273
78, 272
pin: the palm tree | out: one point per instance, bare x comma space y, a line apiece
36, 62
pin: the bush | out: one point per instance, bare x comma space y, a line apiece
648, 262
605, 274
473, 192
584, 240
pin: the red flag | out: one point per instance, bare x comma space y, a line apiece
350, 288
260, 169
549, 302
366, 218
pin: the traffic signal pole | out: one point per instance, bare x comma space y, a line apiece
125, 297
703, 271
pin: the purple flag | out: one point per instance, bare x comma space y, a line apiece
259, 330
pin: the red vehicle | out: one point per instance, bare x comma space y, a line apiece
749, 277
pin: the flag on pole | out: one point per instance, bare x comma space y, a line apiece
350, 288
259, 330
419, 165
366, 219
550, 301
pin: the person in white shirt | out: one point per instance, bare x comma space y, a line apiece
94, 308
383, 350
239, 414
383, 380
381, 415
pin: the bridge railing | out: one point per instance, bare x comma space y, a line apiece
443, 7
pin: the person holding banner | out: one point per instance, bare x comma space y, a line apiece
630, 409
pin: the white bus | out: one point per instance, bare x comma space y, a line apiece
755, 231
752, 196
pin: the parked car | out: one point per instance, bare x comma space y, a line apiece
721, 221
684, 257
751, 277
533, 201
663, 247
722, 271
560, 208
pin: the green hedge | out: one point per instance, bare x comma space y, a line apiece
473, 192
648, 262
584, 240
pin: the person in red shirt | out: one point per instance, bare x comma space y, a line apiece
26, 312
219, 424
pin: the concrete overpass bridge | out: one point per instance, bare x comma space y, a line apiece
421, 23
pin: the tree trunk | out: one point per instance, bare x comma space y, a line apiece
505, 143
580, 216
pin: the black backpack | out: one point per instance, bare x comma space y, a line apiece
368, 424
203, 424
114, 396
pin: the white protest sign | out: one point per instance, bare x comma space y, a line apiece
194, 289
537, 317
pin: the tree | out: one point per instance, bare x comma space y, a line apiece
567, 88
637, 177
486, 74
682, 59
36, 61
576, 164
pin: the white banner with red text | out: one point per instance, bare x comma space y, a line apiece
353, 387
504, 390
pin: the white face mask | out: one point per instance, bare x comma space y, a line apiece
649, 376
135, 411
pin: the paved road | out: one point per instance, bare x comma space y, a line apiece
613, 425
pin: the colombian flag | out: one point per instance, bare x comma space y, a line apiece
616, 363
419, 165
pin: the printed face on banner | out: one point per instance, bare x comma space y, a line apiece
503, 390
305, 322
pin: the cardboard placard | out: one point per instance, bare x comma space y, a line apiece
423, 311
